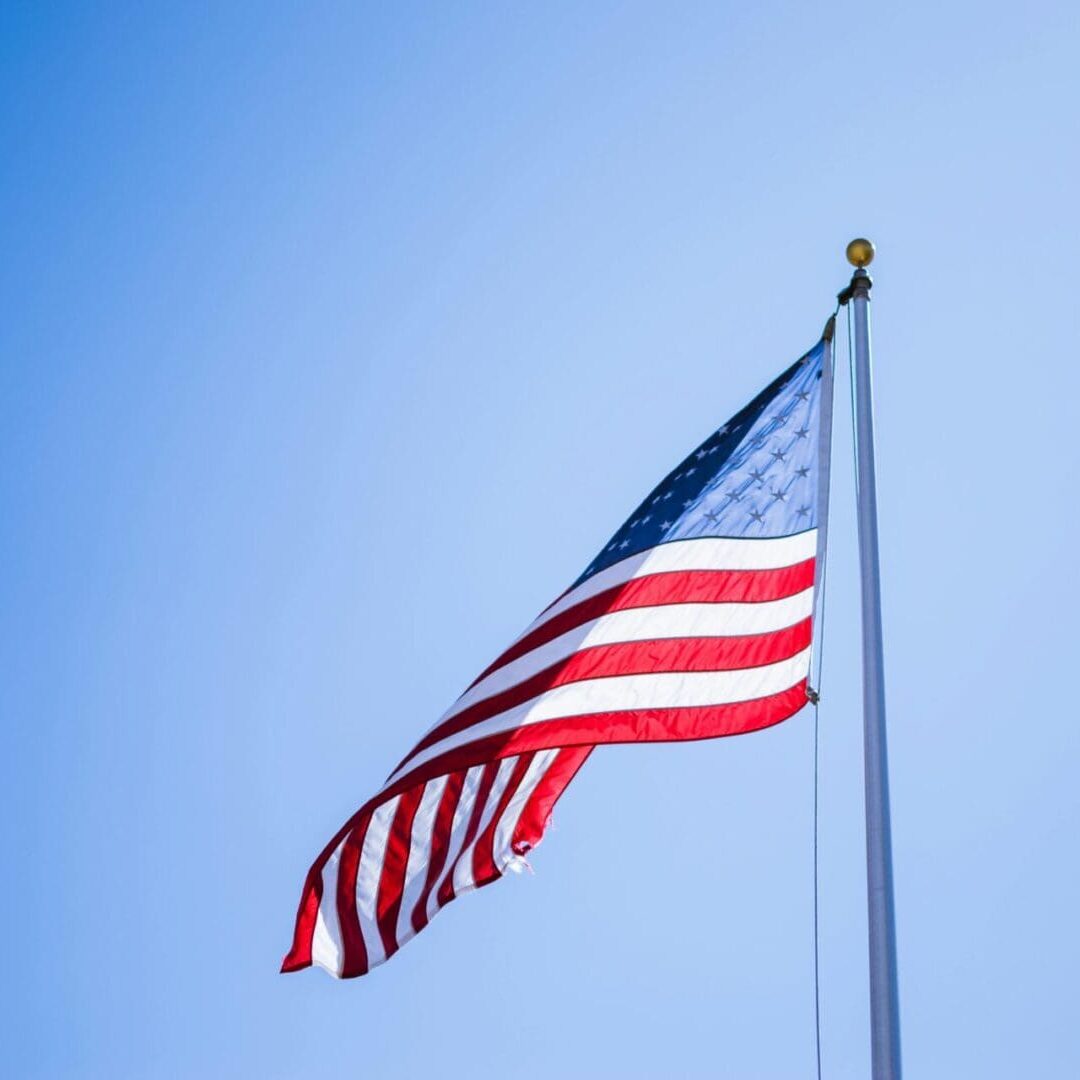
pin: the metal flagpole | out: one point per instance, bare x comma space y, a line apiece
884, 998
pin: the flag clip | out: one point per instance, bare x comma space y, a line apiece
812, 695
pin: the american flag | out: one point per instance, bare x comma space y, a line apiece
694, 621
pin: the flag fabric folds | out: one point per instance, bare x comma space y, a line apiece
694, 621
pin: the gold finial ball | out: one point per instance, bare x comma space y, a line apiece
860, 253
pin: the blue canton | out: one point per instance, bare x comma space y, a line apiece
755, 476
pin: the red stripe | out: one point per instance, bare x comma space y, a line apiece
631, 658
484, 869
646, 725
440, 844
673, 587
299, 956
487, 778
395, 862
680, 724
577, 733
536, 813
354, 951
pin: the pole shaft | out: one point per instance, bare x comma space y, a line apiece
884, 998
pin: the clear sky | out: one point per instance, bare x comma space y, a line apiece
336, 339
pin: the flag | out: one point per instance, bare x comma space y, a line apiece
694, 621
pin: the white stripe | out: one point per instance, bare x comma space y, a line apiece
370, 874
463, 871
643, 624
622, 692
326, 948
705, 553
419, 855
504, 833
458, 828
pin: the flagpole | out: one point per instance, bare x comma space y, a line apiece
884, 997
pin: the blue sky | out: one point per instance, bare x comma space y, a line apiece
336, 341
